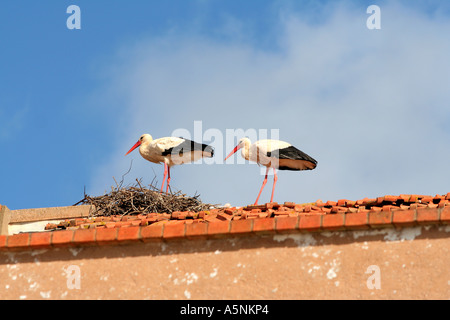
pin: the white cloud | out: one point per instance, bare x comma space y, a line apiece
370, 105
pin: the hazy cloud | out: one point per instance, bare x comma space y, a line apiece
370, 105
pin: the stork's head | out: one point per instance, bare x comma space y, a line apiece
145, 138
242, 143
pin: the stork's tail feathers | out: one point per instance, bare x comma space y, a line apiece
208, 151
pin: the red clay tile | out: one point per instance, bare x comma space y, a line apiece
390, 198
270, 213
350, 203
241, 226
286, 224
106, 235
128, 233
442, 203
201, 215
174, 229
84, 236
264, 225
50, 226
280, 212
196, 230
426, 199
2, 240
368, 201
229, 211
310, 222
333, 221
152, 232
447, 196
271, 205
211, 216
121, 224
62, 238
143, 222
135, 223
175, 214
326, 210
404, 218
380, 219
218, 228
334, 210
426, 216
192, 215
18, 240
445, 215
358, 220
110, 225
404, 197
41, 239
163, 216
289, 204
312, 213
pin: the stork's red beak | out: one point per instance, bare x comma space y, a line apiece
134, 147
232, 152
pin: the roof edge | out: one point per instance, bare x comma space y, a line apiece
169, 230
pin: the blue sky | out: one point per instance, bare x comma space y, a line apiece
372, 106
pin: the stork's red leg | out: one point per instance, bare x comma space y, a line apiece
164, 178
168, 179
262, 187
275, 178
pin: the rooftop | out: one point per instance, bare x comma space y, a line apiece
74, 226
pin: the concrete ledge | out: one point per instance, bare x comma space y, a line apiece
53, 213
5, 218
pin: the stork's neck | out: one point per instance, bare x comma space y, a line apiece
245, 151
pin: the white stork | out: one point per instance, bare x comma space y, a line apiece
171, 151
274, 154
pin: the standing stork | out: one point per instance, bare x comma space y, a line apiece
171, 151
274, 154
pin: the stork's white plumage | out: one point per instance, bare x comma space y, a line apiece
274, 154
171, 151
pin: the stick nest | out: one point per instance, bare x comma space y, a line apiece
135, 199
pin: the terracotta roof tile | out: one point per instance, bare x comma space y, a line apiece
344, 214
